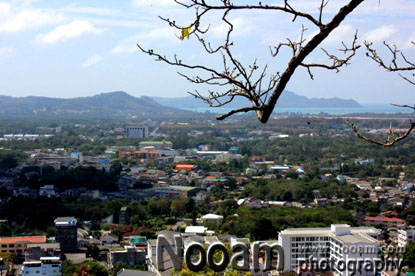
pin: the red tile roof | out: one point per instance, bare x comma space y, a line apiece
189, 166
384, 219
29, 239
393, 213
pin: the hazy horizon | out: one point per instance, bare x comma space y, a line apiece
188, 95
72, 49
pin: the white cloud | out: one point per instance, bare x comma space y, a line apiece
69, 31
372, 8
408, 44
92, 11
19, 20
388, 8
240, 28
92, 61
124, 48
5, 8
5, 52
343, 33
129, 45
380, 34
153, 3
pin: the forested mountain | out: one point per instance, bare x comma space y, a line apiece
114, 103
287, 100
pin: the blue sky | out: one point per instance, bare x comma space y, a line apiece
82, 48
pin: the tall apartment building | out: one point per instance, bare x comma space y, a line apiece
336, 243
66, 233
405, 236
139, 132
124, 215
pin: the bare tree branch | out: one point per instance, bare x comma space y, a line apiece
392, 138
393, 66
336, 61
253, 82
295, 61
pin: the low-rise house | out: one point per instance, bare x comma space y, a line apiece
364, 162
108, 239
385, 222
131, 272
396, 201
73, 192
200, 196
49, 266
18, 245
321, 202
47, 191
95, 194
142, 155
185, 167
198, 230
36, 251
25, 192
126, 182
137, 241
129, 254
280, 168
278, 203
77, 258
83, 243
250, 202
212, 218
173, 191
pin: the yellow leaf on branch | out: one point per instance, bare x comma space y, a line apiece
185, 33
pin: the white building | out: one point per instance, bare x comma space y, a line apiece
47, 190
199, 230
340, 242
405, 236
280, 168
212, 218
76, 155
136, 132
47, 266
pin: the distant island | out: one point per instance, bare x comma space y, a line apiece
120, 103
113, 103
287, 100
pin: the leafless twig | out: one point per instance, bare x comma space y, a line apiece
391, 139
336, 61
253, 82
393, 66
